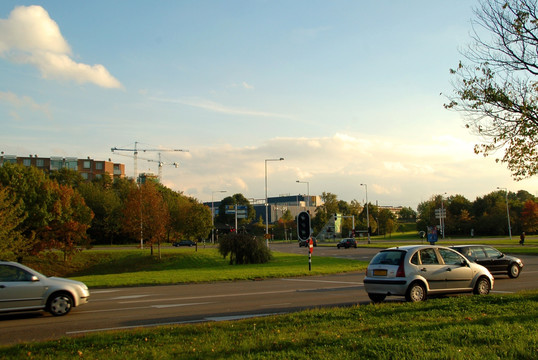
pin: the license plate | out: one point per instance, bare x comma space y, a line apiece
380, 272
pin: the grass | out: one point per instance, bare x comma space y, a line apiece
464, 327
113, 268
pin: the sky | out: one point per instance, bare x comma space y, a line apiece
347, 92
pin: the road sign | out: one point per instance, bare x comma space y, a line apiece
440, 213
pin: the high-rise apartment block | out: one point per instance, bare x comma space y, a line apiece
88, 168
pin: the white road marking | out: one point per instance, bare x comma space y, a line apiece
325, 281
177, 305
128, 297
210, 296
103, 291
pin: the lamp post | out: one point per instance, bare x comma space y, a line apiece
507, 212
266, 209
307, 190
367, 215
213, 215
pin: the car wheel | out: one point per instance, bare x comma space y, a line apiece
377, 298
416, 292
482, 286
59, 304
513, 271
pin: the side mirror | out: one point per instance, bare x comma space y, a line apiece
34, 278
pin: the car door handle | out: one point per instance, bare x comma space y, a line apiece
449, 269
2, 286
423, 269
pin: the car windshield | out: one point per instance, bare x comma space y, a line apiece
389, 257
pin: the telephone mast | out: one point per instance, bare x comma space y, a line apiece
135, 156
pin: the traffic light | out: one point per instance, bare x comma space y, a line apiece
303, 226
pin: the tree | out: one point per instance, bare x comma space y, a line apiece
387, 221
529, 216
407, 214
236, 199
194, 219
244, 249
107, 207
29, 187
497, 90
70, 220
11, 217
146, 215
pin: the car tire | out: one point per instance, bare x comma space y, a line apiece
482, 287
59, 304
416, 292
513, 271
377, 298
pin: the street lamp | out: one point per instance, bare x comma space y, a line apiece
307, 190
213, 215
367, 215
507, 212
266, 209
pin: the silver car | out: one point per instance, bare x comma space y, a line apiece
22, 289
421, 270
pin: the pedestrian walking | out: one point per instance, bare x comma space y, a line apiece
522, 238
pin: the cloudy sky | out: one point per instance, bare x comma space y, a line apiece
347, 92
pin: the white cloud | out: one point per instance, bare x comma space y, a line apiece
395, 172
219, 108
30, 36
23, 102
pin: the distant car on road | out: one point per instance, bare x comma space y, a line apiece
305, 243
420, 270
184, 243
24, 289
347, 243
494, 260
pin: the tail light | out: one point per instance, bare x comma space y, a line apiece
401, 271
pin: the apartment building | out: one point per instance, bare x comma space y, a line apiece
88, 168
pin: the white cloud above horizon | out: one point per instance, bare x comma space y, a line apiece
30, 36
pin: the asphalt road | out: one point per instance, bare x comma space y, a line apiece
125, 308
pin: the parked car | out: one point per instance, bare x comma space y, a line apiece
418, 271
184, 243
306, 242
23, 289
494, 260
347, 243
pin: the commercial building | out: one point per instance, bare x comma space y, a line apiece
88, 168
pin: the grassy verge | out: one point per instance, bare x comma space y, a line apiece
464, 327
103, 268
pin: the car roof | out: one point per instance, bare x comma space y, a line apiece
473, 245
415, 247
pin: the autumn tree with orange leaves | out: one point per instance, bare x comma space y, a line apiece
70, 219
146, 216
529, 216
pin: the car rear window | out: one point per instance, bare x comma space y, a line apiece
389, 257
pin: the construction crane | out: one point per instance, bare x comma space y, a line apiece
135, 155
161, 164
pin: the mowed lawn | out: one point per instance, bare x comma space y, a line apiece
112, 268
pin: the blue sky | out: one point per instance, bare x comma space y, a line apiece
348, 92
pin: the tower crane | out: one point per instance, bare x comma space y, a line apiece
135, 155
161, 163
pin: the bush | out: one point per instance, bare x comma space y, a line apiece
244, 249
